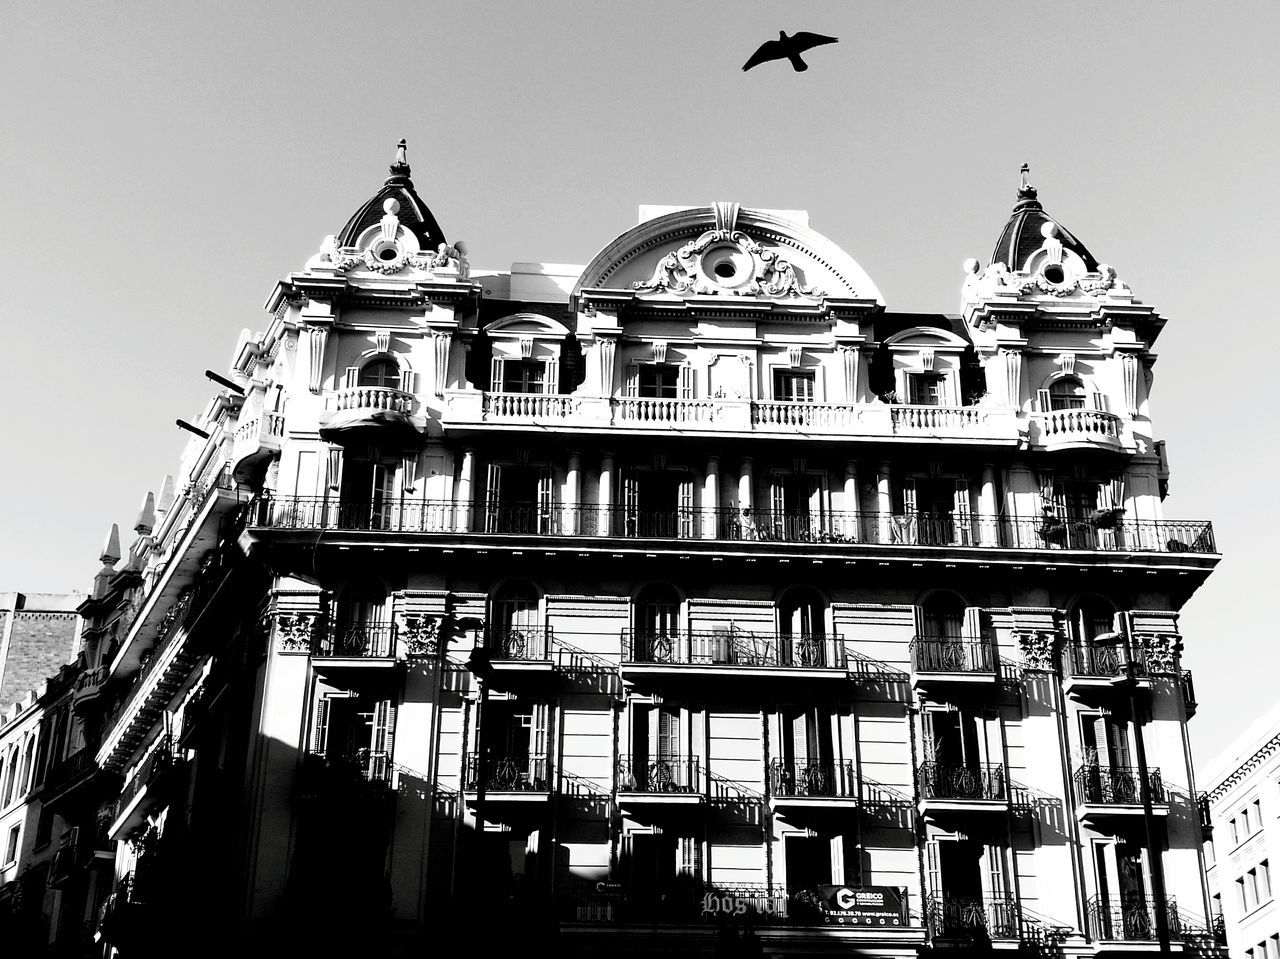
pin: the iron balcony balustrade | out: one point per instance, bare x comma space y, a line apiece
975, 787
733, 646
665, 775
1130, 918
527, 644
947, 659
360, 774
70, 772
1188, 687
144, 790
973, 917
835, 528
356, 641
812, 779
1100, 785
508, 774
1098, 671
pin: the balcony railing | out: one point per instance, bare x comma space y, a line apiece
915, 419
973, 917
70, 769
942, 654
1061, 426
508, 774
977, 781
1188, 687
812, 778
1116, 785
528, 406
525, 643
361, 772
357, 641
1131, 918
404, 515
641, 410
1102, 661
669, 774
733, 646
152, 769
373, 398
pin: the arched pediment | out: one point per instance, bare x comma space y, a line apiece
723, 250
527, 324
929, 337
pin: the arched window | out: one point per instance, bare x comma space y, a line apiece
361, 629
1092, 617
28, 766
10, 777
384, 372
1066, 394
942, 617
657, 622
513, 631
802, 627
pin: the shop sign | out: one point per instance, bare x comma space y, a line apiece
864, 906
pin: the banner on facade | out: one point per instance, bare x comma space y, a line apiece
865, 906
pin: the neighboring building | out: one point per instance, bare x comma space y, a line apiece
687, 595
1244, 801
39, 633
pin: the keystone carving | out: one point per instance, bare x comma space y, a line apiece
770, 274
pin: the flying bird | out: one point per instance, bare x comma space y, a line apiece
788, 48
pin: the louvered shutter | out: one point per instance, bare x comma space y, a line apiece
1093, 740
686, 382
995, 879
1043, 401
406, 380
1117, 743
933, 870
630, 503
687, 511
800, 739
633, 379
668, 734
384, 730
546, 501
963, 514
320, 732
906, 527
972, 623
493, 498
909, 499
1098, 401
551, 374
539, 743
352, 377
691, 857
496, 374
817, 506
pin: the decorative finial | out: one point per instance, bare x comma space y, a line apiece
110, 554
146, 520
1026, 168
401, 166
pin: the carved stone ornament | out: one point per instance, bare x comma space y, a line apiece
445, 261
726, 262
1161, 653
420, 634
1039, 648
295, 632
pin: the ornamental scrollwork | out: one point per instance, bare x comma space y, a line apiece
1039, 648
1162, 653
296, 632
420, 634
770, 274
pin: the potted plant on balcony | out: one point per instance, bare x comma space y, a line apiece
1105, 518
1052, 528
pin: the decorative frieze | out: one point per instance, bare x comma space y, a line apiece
1161, 653
296, 631
420, 634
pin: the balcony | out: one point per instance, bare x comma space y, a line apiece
939, 661
356, 414
825, 531
729, 651
147, 790
354, 645
972, 917
671, 781
256, 439
973, 788
1077, 429
1188, 689
1132, 919
514, 779
1110, 792
1100, 670
963, 423
520, 649
88, 688
812, 784
365, 774
69, 774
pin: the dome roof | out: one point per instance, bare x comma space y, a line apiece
413, 213
1022, 235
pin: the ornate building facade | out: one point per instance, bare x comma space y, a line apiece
689, 600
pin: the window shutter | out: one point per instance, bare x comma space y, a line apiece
492, 497
691, 857
995, 875
546, 501
917, 614
800, 737
933, 869
816, 505
351, 377
668, 733
686, 382
633, 379
1099, 401
972, 623
539, 732
963, 513
630, 502
496, 375
1043, 402
406, 380
687, 510
909, 500
320, 734
384, 727
1117, 743
551, 374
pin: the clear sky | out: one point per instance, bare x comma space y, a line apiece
162, 165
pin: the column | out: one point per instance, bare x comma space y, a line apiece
711, 499
462, 495
746, 507
852, 502
884, 502
572, 493
988, 514
603, 526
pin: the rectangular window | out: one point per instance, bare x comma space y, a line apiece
1257, 815
11, 847
1244, 901
523, 376
1235, 834
44, 826
1245, 828
925, 389
1209, 854
796, 386
1264, 881
660, 381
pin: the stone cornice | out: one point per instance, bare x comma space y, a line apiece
1260, 755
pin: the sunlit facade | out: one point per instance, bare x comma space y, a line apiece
690, 595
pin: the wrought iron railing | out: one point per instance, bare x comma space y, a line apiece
508, 774
409, 515
159, 762
70, 769
968, 782
1131, 917
1205, 810
973, 917
357, 641
1116, 785
812, 778
1085, 659
944, 654
733, 646
669, 774
1188, 687
527, 643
